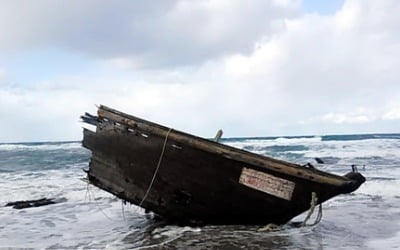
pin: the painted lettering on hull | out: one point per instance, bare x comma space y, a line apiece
267, 183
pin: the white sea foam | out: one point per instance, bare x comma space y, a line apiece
41, 146
297, 141
390, 243
70, 224
386, 148
172, 231
387, 243
314, 147
282, 141
64, 183
380, 188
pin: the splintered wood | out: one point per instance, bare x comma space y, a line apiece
267, 183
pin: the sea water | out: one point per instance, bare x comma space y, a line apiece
86, 217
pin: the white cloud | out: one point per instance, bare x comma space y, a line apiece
347, 118
143, 33
31, 115
355, 116
393, 114
3, 76
288, 74
330, 64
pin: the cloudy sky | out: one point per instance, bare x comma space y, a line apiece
250, 67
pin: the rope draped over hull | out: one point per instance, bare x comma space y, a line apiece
157, 168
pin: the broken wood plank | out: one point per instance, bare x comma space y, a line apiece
30, 203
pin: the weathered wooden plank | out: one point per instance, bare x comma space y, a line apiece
223, 150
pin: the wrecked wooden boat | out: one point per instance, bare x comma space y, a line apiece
188, 179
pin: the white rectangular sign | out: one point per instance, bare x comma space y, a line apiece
267, 183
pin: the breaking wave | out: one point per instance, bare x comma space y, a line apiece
40, 146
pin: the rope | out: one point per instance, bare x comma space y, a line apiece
313, 203
97, 205
158, 166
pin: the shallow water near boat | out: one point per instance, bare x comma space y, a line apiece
88, 217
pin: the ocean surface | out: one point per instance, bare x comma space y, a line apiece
89, 218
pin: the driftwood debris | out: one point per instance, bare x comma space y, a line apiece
30, 203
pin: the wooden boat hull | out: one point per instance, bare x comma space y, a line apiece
198, 180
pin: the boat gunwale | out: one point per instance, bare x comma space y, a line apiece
223, 150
